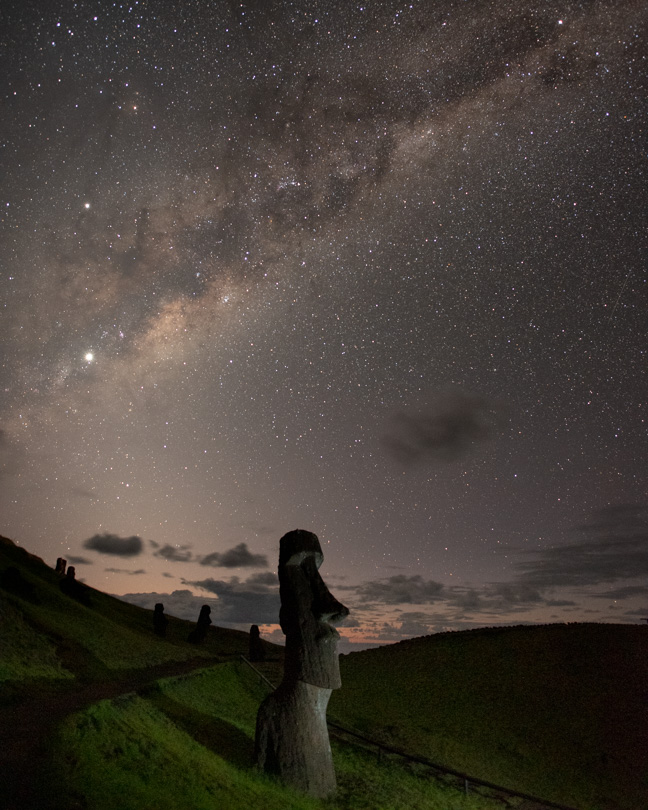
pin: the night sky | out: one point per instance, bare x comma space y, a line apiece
376, 271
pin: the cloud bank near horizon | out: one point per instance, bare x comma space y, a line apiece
606, 565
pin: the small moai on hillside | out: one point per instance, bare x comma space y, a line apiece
199, 633
60, 566
292, 740
160, 621
74, 589
257, 651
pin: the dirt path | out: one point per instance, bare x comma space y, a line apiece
25, 731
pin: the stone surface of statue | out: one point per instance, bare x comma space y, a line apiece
199, 633
256, 649
292, 739
160, 621
60, 566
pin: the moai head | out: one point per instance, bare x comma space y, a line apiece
307, 607
71, 572
205, 610
159, 607
60, 566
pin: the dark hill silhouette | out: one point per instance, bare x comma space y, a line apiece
58, 657
92, 636
558, 711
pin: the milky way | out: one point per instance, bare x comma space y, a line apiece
377, 271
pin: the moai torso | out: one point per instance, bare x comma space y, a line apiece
292, 737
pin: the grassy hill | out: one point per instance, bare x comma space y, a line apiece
48, 635
97, 712
558, 711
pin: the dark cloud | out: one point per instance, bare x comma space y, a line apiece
415, 623
508, 595
117, 546
243, 602
263, 579
238, 557
411, 623
79, 560
615, 548
238, 603
619, 520
627, 592
443, 427
491, 599
401, 589
560, 603
496, 598
174, 553
469, 600
124, 571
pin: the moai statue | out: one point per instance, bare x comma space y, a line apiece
160, 621
71, 587
199, 633
292, 740
257, 652
60, 566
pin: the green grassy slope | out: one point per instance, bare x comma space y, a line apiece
46, 634
188, 743
559, 711
176, 742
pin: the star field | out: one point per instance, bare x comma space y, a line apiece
376, 271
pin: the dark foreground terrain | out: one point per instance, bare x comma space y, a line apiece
560, 711
96, 711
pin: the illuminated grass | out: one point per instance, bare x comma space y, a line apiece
557, 711
128, 754
364, 783
107, 634
25, 652
226, 691
190, 743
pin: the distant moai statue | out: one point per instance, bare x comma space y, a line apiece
60, 566
292, 740
257, 651
199, 633
70, 587
160, 621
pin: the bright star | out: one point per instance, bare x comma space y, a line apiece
89, 357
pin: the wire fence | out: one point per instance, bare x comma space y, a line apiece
382, 749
